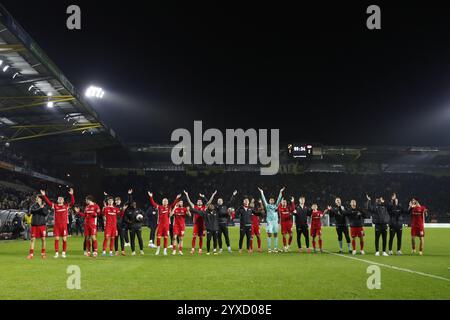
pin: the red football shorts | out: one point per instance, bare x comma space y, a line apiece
255, 230
163, 230
286, 227
111, 231
417, 231
90, 230
316, 231
60, 230
199, 230
178, 229
357, 232
38, 232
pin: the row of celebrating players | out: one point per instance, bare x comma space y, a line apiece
214, 218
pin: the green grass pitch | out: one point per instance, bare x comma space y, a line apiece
229, 276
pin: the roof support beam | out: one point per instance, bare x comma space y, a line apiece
38, 131
40, 102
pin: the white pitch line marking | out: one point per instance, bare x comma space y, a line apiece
389, 266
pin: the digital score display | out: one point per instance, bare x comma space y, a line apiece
300, 150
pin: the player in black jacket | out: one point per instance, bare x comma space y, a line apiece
152, 224
301, 214
339, 214
396, 213
356, 219
223, 211
38, 225
134, 218
211, 218
380, 218
244, 213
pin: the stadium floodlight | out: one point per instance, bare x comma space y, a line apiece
50, 104
49, 94
31, 87
5, 68
95, 92
15, 75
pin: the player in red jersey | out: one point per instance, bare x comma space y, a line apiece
199, 223
61, 210
90, 214
285, 215
316, 226
179, 226
257, 213
418, 213
110, 213
163, 220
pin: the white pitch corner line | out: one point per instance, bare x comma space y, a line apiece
389, 266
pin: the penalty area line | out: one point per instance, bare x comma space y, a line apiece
390, 266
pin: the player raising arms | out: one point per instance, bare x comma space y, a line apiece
301, 214
272, 219
61, 210
418, 213
179, 226
316, 226
110, 213
223, 211
91, 211
285, 213
356, 219
38, 225
244, 213
163, 220
396, 213
199, 223
380, 218
340, 217
211, 219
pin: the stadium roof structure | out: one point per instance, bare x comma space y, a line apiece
29, 80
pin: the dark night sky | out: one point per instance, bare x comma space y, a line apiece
315, 72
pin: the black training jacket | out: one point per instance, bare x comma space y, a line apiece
339, 214
222, 211
152, 217
210, 217
39, 215
396, 213
301, 216
355, 217
244, 215
379, 212
130, 218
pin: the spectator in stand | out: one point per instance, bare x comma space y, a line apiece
17, 226
27, 225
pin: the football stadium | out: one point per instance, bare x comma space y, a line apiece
91, 208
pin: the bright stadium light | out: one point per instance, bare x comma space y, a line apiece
95, 92
15, 75
5, 68
50, 104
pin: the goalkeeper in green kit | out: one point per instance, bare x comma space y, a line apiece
272, 219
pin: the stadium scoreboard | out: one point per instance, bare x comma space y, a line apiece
300, 150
